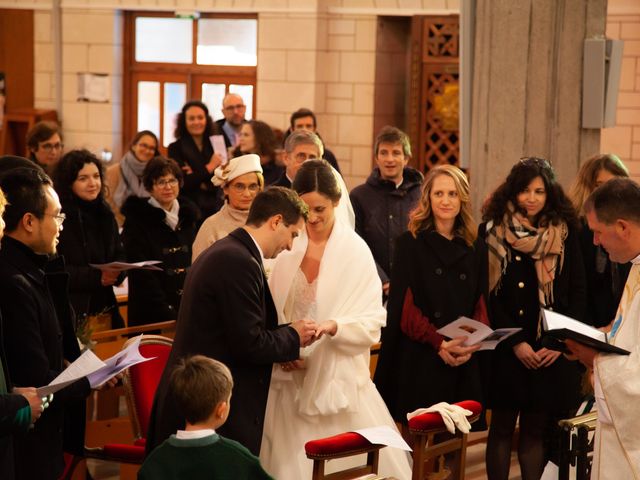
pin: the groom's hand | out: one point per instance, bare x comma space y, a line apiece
306, 331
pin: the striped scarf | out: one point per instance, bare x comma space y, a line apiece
544, 244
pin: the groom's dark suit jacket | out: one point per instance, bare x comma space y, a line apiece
227, 313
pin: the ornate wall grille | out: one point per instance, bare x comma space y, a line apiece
434, 91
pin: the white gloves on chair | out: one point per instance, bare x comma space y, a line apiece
452, 415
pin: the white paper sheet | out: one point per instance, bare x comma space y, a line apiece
121, 266
476, 332
384, 435
219, 147
86, 364
116, 364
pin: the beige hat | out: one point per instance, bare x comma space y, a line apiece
235, 167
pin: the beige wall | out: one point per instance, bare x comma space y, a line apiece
623, 22
91, 42
318, 54
314, 53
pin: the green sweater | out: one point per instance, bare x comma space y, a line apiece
212, 458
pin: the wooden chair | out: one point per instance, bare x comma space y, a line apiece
427, 449
140, 384
340, 446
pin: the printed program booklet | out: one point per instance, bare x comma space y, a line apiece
559, 327
477, 332
123, 266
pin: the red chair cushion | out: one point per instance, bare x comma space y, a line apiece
125, 453
145, 378
344, 442
433, 420
141, 442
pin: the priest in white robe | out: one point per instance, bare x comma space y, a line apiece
613, 213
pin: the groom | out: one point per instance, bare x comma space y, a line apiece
227, 313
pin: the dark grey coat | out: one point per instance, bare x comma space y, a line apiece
382, 214
227, 313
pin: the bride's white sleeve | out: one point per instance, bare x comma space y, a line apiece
359, 327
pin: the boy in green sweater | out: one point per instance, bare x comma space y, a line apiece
202, 388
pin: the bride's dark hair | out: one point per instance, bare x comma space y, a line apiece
317, 176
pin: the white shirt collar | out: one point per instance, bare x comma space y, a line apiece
191, 434
257, 246
636, 260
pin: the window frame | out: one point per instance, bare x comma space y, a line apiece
193, 73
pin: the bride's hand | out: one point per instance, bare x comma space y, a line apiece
329, 327
293, 365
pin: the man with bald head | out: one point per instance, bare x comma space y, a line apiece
233, 109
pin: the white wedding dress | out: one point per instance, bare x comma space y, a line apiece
334, 393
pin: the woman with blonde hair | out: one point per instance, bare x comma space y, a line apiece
605, 279
436, 277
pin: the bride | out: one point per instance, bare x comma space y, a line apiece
329, 276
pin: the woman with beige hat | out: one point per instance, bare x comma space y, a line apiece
241, 179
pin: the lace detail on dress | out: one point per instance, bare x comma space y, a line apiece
304, 298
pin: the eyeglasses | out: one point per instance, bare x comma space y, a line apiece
49, 147
59, 218
230, 108
241, 187
303, 157
172, 182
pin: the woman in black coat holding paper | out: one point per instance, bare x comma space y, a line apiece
194, 153
533, 261
163, 228
90, 235
436, 278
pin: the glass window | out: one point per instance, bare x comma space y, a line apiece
246, 92
227, 42
212, 96
167, 40
149, 106
175, 96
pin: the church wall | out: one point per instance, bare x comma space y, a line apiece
314, 53
318, 54
623, 22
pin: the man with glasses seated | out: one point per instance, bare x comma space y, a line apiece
37, 323
233, 109
44, 142
299, 146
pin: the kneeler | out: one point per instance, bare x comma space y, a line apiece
426, 449
339, 446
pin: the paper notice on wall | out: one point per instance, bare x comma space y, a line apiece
94, 87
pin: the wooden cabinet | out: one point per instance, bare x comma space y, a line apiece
16, 124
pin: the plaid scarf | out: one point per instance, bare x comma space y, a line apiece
544, 244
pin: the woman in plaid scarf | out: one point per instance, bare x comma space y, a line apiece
534, 262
